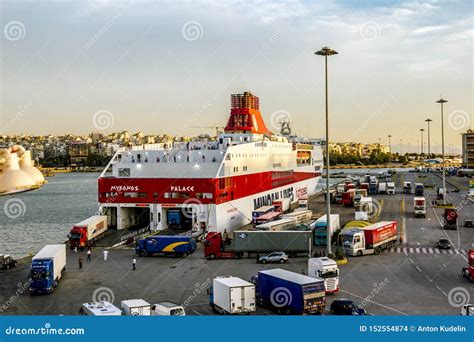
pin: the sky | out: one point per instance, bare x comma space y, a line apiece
170, 66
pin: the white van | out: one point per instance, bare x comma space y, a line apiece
167, 309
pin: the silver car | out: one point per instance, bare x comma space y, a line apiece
279, 257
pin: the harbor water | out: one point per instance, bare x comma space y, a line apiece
30, 220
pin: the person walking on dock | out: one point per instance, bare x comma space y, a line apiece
105, 253
89, 253
134, 263
80, 263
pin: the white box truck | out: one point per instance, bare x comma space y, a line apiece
326, 269
419, 206
46, 268
103, 308
390, 188
135, 307
382, 188
232, 295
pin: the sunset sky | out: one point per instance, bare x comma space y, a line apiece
167, 67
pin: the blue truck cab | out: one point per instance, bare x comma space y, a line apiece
42, 276
289, 292
47, 267
166, 244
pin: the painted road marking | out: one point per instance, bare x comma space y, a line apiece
427, 250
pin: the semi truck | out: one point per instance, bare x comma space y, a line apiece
47, 267
390, 188
303, 203
382, 188
179, 218
407, 188
419, 189
341, 188
290, 293
232, 296
250, 241
326, 269
173, 245
320, 229
371, 239
103, 308
419, 206
86, 232
348, 198
468, 271
373, 187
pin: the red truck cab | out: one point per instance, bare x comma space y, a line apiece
78, 237
214, 247
348, 198
468, 272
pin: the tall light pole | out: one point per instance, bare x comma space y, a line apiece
325, 51
442, 102
429, 144
389, 144
421, 145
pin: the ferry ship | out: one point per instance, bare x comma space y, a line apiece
209, 185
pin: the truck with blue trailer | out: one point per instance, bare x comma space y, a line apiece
47, 267
320, 229
290, 293
179, 218
173, 245
373, 187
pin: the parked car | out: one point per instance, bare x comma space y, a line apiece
444, 244
346, 307
7, 261
280, 257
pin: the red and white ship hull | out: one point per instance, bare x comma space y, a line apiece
211, 185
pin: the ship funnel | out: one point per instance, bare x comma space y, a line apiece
245, 116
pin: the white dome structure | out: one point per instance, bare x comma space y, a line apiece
14, 179
26, 164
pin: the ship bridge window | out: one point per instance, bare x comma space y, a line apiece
139, 157
125, 172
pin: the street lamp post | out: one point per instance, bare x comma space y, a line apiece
389, 144
325, 51
429, 144
442, 102
421, 144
